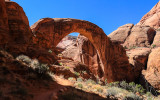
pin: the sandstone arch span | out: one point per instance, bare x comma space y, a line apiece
49, 32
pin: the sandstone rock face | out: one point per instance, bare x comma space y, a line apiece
4, 29
19, 30
138, 59
152, 74
121, 33
49, 32
141, 36
152, 18
156, 40
88, 55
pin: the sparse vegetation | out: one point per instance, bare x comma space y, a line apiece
132, 47
77, 74
153, 46
61, 64
24, 59
132, 96
67, 67
113, 91
80, 85
50, 51
79, 79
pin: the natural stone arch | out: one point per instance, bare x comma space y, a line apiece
49, 32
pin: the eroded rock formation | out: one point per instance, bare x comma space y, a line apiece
19, 30
49, 32
141, 36
4, 29
138, 59
156, 41
121, 33
152, 18
152, 74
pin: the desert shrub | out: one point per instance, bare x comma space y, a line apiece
42, 68
132, 87
50, 51
24, 59
67, 67
132, 96
153, 46
132, 47
99, 89
77, 74
106, 81
114, 84
84, 72
90, 81
124, 85
112, 91
80, 85
61, 64
71, 79
79, 80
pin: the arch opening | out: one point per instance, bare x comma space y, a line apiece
78, 48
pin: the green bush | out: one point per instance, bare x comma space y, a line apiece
100, 90
79, 80
24, 59
80, 85
114, 84
50, 51
90, 81
61, 64
132, 96
132, 87
77, 74
112, 91
42, 68
153, 46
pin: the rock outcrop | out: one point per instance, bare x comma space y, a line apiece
4, 29
152, 74
152, 18
138, 59
141, 36
156, 41
89, 56
49, 32
121, 33
19, 30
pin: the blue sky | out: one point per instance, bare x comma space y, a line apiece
107, 14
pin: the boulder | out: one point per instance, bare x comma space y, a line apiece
141, 36
121, 33
152, 17
152, 74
